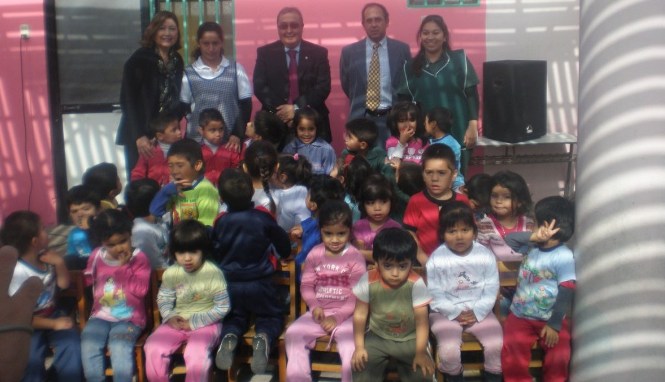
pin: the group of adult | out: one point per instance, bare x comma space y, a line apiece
292, 73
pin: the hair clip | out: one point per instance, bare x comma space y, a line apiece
295, 156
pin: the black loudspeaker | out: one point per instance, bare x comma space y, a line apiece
514, 96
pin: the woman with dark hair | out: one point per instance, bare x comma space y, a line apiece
214, 81
150, 84
440, 76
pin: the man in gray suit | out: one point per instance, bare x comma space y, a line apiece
376, 54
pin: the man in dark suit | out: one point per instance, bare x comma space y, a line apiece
282, 86
356, 63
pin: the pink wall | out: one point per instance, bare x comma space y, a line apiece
335, 24
26, 166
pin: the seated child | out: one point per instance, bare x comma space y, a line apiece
147, 235
308, 143
422, 213
266, 126
395, 299
291, 179
120, 279
216, 156
409, 178
545, 288
375, 201
246, 241
352, 176
360, 140
478, 189
322, 188
192, 300
405, 143
463, 279
331, 269
54, 330
190, 195
438, 124
261, 163
166, 128
82, 204
103, 179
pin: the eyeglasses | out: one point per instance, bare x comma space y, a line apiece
285, 26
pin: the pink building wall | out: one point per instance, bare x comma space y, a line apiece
26, 165
337, 23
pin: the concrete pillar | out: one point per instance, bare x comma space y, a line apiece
619, 318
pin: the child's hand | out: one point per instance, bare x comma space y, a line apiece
63, 323
359, 244
233, 144
175, 322
550, 336
183, 184
318, 315
295, 233
406, 135
184, 325
394, 163
544, 232
467, 318
359, 359
328, 324
51, 257
425, 362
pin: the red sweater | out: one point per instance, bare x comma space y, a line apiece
156, 167
219, 161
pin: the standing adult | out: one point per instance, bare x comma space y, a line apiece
371, 68
292, 73
214, 81
151, 82
440, 76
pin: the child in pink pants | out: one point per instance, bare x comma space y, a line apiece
329, 274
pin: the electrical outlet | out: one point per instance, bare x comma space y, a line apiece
25, 31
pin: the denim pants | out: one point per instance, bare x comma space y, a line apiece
67, 355
121, 337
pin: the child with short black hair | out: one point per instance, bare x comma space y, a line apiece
25, 231
148, 235
190, 195
266, 126
309, 144
353, 176
478, 189
405, 143
193, 299
103, 179
422, 213
291, 180
322, 188
246, 241
330, 271
216, 156
166, 128
463, 279
409, 179
376, 198
545, 289
438, 124
83, 204
120, 279
360, 140
395, 299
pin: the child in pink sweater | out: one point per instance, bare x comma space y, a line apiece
330, 272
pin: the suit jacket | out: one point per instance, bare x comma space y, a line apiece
353, 72
271, 79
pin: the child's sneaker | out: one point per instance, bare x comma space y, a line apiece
226, 352
261, 349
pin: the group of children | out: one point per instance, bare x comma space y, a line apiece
218, 221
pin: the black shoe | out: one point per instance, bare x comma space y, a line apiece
261, 349
491, 377
453, 378
226, 352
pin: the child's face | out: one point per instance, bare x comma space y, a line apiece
189, 261
81, 212
171, 134
377, 210
501, 201
119, 246
306, 131
181, 170
213, 132
394, 273
438, 175
408, 123
352, 143
250, 131
459, 238
334, 237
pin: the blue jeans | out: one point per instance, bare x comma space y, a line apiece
121, 338
66, 347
